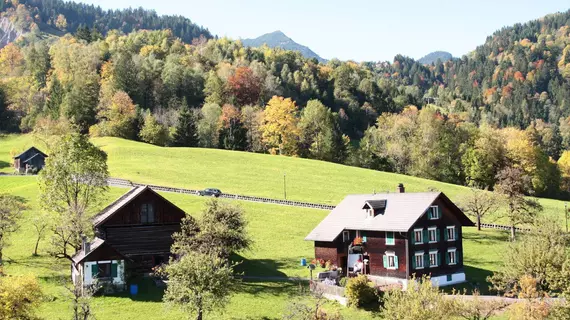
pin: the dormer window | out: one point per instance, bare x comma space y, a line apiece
147, 213
374, 208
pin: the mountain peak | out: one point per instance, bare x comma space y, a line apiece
281, 40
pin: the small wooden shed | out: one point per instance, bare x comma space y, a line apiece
31, 158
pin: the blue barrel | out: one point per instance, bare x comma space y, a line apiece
303, 262
134, 289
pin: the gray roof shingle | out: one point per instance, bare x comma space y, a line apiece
80, 255
402, 211
118, 204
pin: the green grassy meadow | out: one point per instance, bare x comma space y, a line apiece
277, 231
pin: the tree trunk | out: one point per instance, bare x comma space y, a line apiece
513, 233
36, 247
199, 317
478, 223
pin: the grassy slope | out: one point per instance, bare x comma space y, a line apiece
248, 173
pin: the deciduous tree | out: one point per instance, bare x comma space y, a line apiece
11, 209
72, 186
479, 203
209, 125
153, 132
280, 129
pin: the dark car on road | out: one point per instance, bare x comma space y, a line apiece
210, 192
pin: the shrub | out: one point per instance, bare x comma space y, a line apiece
342, 281
19, 297
359, 291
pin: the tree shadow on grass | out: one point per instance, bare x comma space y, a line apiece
476, 280
274, 288
4, 164
486, 237
258, 267
148, 291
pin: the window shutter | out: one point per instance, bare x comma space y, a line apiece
457, 257
456, 233
438, 259
94, 270
425, 232
385, 258
426, 260
396, 261
414, 237
114, 271
445, 235
414, 262
438, 212
363, 236
437, 235
447, 258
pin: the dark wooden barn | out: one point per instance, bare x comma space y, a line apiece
30, 159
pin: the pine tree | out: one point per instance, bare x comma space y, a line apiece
185, 135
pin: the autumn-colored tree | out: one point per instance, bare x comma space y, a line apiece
117, 120
482, 161
214, 89
154, 132
316, 129
19, 297
564, 166
61, 22
252, 119
244, 86
11, 59
280, 129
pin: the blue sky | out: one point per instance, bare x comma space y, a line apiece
358, 30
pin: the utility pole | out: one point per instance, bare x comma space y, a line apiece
284, 186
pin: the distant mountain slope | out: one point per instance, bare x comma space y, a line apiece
279, 39
433, 56
45, 15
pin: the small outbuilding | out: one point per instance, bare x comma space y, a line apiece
30, 160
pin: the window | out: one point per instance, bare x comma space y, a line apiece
419, 260
147, 213
433, 234
390, 241
102, 270
370, 213
449, 277
345, 236
450, 233
390, 261
433, 212
451, 256
418, 236
433, 259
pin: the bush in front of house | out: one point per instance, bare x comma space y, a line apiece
359, 291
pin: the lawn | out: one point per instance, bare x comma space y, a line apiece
250, 173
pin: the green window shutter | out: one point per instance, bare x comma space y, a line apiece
438, 212
456, 233
447, 258
425, 232
439, 258
363, 236
385, 258
437, 235
414, 237
426, 260
414, 262
396, 261
445, 237
94, 270
114, 271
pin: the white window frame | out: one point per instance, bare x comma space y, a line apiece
454, 250
430, 264
434, 229
421, 237
393, 238
431, 216
393, 255
345, 236
453, 233
419, 254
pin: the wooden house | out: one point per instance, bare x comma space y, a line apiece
132, 234
31, 158
395, 235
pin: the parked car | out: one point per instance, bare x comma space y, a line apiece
210, 192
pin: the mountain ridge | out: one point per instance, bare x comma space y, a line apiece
281, 40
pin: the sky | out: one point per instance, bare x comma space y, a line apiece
357, 30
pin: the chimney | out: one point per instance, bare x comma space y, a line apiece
86, 246
400, 188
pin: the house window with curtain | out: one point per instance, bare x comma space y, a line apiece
418, 236
390, 261
433, 259
451, 256
433, 234
104, 270
433, 212
418, 260
147, 213
451, 233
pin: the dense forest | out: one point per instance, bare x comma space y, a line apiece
507, 103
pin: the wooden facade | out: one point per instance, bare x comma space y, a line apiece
376, 248
32, 157
142, 229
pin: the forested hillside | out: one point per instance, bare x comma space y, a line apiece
507, 104
58, 16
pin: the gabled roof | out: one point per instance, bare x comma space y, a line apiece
31, 148
30, 158
93, 245
118, 204
402, 212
